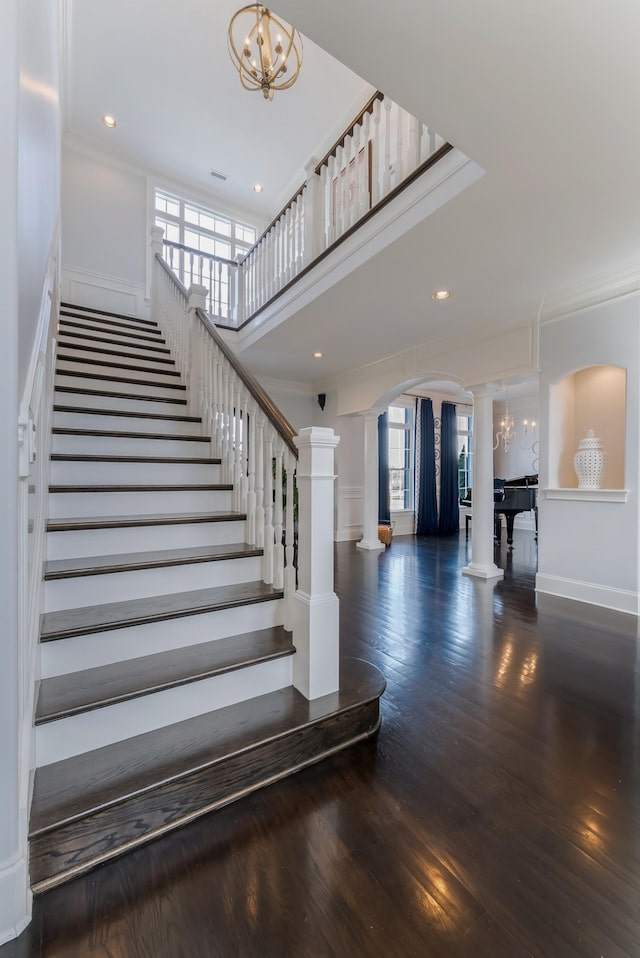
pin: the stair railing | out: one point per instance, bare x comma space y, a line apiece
249, 434
379, 154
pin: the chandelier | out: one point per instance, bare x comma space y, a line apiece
508, 434
269, 54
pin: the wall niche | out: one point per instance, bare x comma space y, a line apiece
591, 398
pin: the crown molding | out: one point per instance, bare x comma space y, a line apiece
617, 284
287, 386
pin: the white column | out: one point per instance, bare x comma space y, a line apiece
482, 564
315, 604
370, 516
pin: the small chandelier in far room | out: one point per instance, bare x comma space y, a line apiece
506, 434
269, 54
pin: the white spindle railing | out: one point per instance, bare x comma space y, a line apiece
382, 148
251, 438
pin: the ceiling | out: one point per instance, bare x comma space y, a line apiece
542, 95
163, 70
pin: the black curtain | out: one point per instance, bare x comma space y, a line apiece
449, 512
384, 514
427, 524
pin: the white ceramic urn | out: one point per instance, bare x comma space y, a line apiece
589, 461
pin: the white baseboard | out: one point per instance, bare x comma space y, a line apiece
87, 288
620, 600
15, 899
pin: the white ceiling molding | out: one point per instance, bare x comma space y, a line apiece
619, 284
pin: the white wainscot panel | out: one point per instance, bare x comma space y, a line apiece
85, 288
349, 508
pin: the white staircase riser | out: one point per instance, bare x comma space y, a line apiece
78, 420
119, 586
56, 741
118, 383
62, 398
77, 505
126, 446
92, 542
87, 473
149, 375
103, 648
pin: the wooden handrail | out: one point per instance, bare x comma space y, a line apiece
367, 108
199, 252
262, 398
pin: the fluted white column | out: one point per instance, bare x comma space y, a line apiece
482, 564
370, 517
315, 604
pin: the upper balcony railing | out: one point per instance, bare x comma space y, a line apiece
378, 155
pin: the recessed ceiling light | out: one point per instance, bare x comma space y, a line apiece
257, 188
109, 121
442, 294
318, 355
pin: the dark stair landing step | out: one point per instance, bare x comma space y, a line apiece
78, 692
94, 807
157, 608
131, 561
111, 322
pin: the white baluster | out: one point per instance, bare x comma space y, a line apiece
267, 565
324, 207
400, 157
414, 144
290, 570
244, 468
278, 552
260, 481
251, 477
238, 443
386, 168
364, 198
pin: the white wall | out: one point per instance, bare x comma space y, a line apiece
38, 161
104, 233
588, 550
29, 174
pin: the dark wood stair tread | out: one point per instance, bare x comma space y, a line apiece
129, 561
146, 487
66, 337
83, 374
126, 434
81, 457
63, 344
76, 787
110, 394
154, 519
111, 322
157, 608
79, 692
107, 312
65, 325
126, 413
110, 364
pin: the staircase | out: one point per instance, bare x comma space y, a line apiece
166, 672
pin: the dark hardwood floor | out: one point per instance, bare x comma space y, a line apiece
497, 814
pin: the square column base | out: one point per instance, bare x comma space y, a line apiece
316, 669
492, 571
370, 545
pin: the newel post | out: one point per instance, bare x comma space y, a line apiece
157, 240
315, 604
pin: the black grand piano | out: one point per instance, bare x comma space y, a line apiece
512, 496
